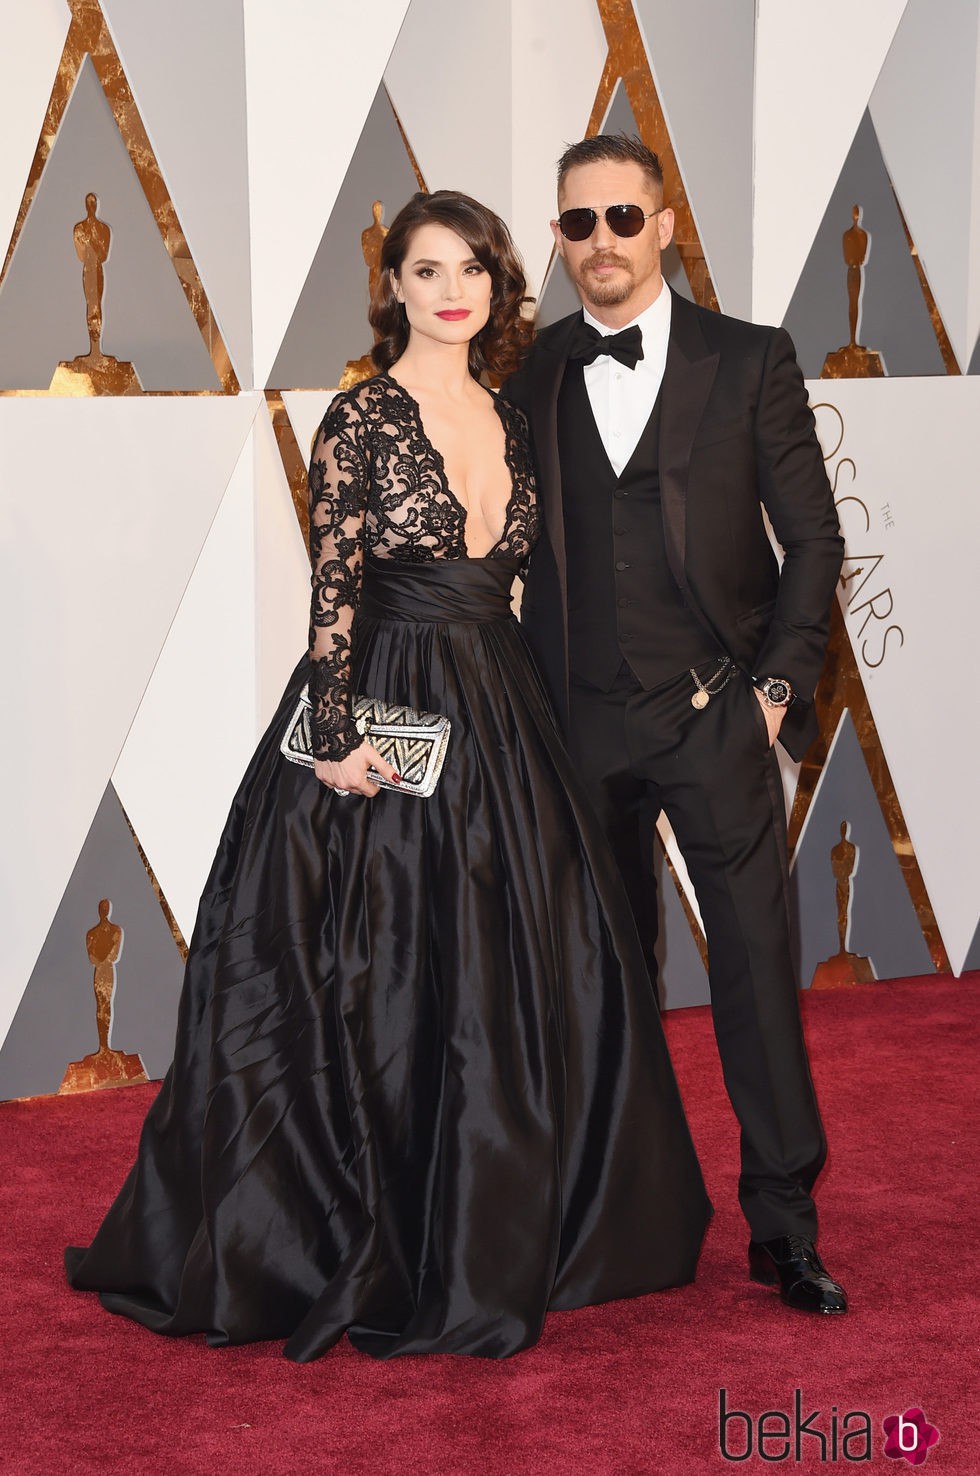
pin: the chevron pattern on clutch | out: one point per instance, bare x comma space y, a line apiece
414, 743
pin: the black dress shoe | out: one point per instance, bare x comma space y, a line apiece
791, 1263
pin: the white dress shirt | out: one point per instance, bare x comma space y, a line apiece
622, 399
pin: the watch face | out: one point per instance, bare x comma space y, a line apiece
777, 691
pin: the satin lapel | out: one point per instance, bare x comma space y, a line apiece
549, 371
688, 376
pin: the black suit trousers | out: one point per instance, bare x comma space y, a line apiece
716, 778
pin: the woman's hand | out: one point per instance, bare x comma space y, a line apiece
350, 774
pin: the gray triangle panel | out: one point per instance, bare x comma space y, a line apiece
893, 315
883, 923
329, 325
682, 978
974, 365
972, 960
146, 317
55, 1021
703, 60
558, 296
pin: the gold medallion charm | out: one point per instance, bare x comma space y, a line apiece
700, 699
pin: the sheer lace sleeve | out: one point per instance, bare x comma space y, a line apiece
340, 471
523, 514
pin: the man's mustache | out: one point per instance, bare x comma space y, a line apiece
605, 258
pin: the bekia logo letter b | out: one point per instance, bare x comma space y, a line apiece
910, 1437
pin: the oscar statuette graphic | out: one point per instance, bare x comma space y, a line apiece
854, 361
104, 1067
372, 240
843, 968
94, 373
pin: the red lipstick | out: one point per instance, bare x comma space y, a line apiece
453, 315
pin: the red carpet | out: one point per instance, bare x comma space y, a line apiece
622, 1390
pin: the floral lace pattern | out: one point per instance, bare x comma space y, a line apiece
377, 483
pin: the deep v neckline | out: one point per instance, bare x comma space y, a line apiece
440, 465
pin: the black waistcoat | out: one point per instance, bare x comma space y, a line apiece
623, 602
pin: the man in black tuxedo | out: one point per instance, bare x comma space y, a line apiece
674, 647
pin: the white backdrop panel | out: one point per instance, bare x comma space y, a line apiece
106, 506
815, 68
902, 455
185, 63
558, 53
932, 151
196, 726
311, 72
240, 629
34, 36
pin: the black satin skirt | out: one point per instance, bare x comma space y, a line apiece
420, 1092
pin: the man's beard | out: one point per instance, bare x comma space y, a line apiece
601, 293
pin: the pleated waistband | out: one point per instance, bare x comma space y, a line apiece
471, 591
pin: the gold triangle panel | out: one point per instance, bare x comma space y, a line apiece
294, 462
936, 317
88, 34
628, 60
841, 687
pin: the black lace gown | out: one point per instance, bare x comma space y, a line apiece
420, 1091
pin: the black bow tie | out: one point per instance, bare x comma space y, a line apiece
588, 343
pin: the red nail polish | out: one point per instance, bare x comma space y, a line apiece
396, 778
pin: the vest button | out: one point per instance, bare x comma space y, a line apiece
623, 603
621, 564
620, 493
619, 532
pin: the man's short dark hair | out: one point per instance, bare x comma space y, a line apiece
612, 148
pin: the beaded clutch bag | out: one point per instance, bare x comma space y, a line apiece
413, 743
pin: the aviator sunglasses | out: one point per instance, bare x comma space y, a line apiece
622, 220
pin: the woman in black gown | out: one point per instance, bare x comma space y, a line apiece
420, 1091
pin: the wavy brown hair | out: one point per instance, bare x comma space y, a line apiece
503, 341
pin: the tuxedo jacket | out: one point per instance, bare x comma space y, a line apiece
736, 436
